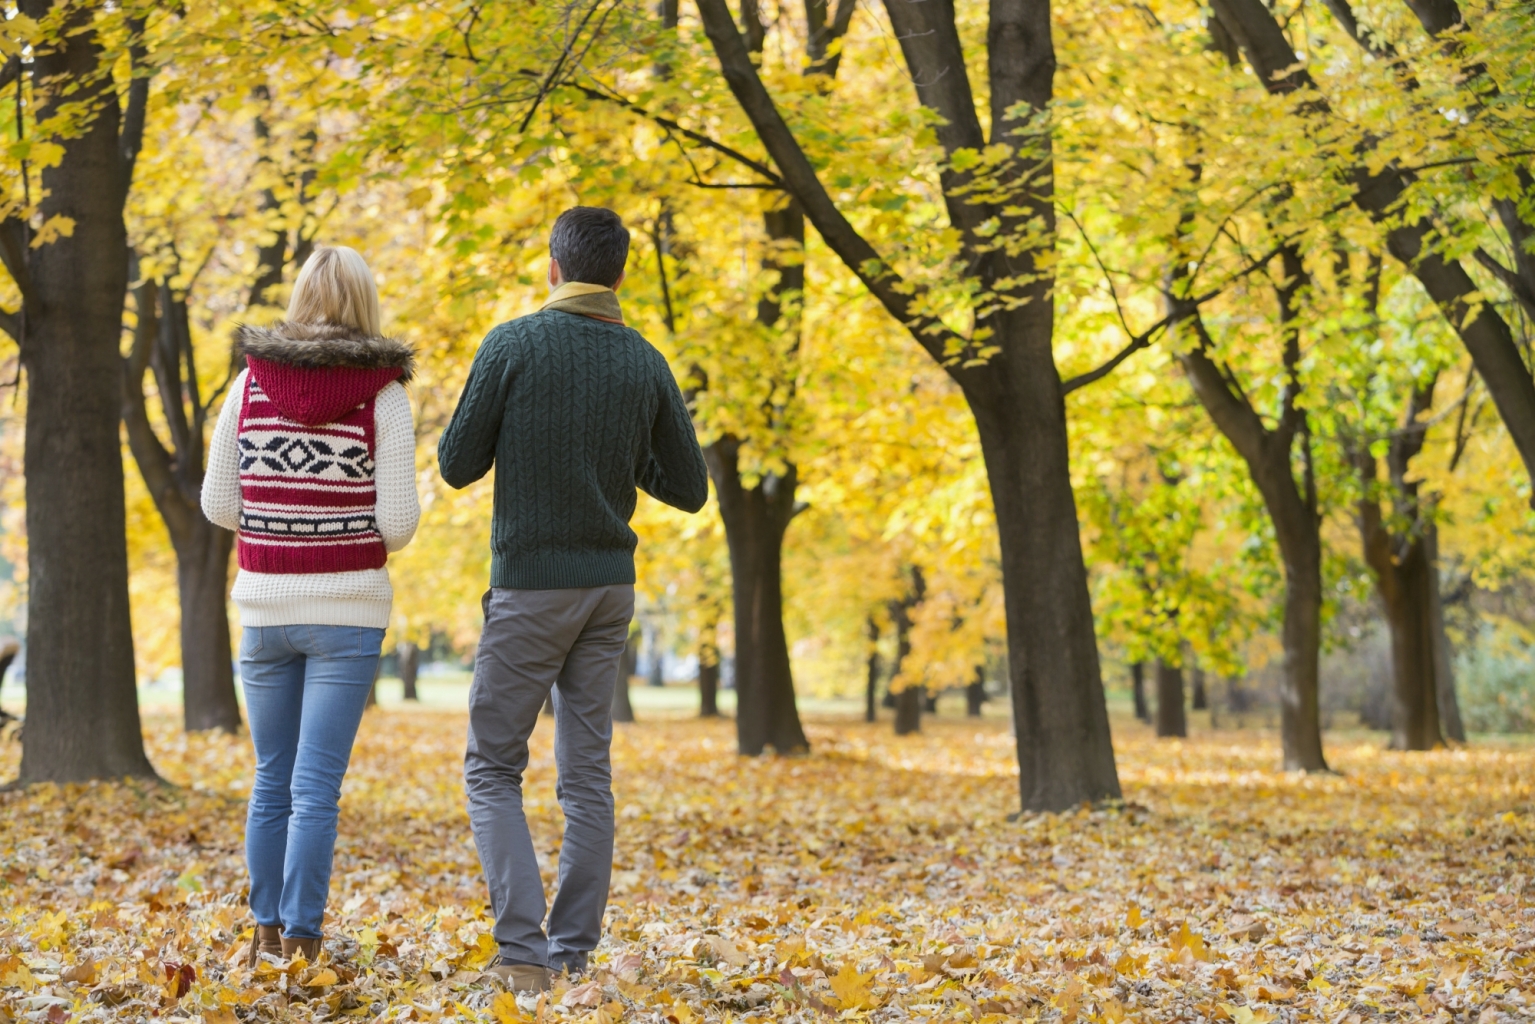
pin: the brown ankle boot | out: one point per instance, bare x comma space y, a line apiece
267, 939
310, 948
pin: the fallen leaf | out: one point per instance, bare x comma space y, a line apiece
588, 994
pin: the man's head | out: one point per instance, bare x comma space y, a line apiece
588, 244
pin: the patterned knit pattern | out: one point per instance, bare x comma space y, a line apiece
358, 598
574, 413
306, 491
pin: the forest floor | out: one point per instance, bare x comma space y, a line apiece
877, 879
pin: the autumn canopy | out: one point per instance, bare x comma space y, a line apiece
1131, 404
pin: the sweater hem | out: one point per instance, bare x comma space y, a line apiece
562, 572
315, 611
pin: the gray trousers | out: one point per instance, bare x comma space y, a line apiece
535, 640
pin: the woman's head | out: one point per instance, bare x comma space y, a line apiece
335, 287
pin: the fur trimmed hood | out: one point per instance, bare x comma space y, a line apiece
318, 346
314, 373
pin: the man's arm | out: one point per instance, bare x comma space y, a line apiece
467, 448
676, 473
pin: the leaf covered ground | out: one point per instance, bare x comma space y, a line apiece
879, 879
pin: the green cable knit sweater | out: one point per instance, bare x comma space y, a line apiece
574, 412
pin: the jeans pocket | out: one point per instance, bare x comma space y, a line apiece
250, 642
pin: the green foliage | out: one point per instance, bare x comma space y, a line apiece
1495, 679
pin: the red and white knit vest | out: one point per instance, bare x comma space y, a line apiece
306, 491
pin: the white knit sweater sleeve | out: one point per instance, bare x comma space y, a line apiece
221, 480
398, 510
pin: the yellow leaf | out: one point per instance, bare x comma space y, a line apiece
325, 977
505, 1009
1193, 943
852, 988
482, 953
1247, 1015
1134, 919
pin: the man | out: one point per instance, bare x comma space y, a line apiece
575, 410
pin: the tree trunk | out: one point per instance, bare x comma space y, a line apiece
755, 520
708, 673
908, 702
408, 658
1064, 747
1170, 717
1138, 689
623, 710
207, 671
1200, 701
1444, 659
1407, 584
82, 701
871, 682
975, 694
1065, 751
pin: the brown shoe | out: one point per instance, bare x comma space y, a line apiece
266, 939
309, 948
520, 977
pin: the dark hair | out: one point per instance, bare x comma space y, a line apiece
591, 244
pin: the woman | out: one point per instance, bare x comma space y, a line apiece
313, 466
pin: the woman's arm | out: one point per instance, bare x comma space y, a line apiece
394, 474
221, 480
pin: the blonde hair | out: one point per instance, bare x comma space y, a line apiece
335, 286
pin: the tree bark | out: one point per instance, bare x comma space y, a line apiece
207, 670
82, 701
1199, 701
1064, 747
1138, 689
408, 657
908, 702
1171, 720
975, 694
623, 710
755, 520
1407, 583
1450, 722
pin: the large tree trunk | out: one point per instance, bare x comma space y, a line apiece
82, 702
755, 520
207, 671
1171, 720
1065, 751
408, 660
1064, 748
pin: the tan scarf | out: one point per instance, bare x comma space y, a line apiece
584, 299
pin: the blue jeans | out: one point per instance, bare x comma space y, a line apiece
305, 690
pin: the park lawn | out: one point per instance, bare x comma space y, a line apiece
878, 878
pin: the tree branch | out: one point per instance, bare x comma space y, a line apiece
131, 137
800, 179
688, 133
13, 253
156, 464
1511, 280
